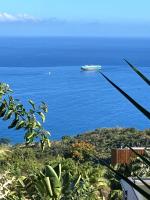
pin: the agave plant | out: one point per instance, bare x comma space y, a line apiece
55, 183
45, 185
144, 112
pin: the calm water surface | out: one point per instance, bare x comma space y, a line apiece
78, 101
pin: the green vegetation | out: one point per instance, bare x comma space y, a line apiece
71, 165
23, 118
74, 168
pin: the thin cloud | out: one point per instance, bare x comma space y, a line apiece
6, 17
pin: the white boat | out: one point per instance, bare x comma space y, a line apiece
91, 67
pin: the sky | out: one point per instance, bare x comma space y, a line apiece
112, 18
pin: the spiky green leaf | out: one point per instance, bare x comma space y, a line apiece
138, 72
137, 105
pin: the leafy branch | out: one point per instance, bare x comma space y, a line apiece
30, 120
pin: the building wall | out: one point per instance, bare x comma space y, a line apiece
124, 156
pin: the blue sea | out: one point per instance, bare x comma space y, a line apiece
48, 69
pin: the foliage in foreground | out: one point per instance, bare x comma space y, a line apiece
23, 118
50, 180
26, 166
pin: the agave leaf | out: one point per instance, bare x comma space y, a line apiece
50, 172
138, 72
58, 170
141, 191
54, 179
48, 184
59, 176
137, 105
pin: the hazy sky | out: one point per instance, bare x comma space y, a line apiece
75, 17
